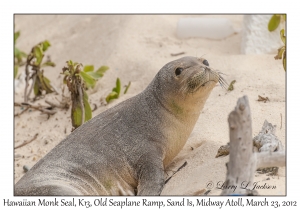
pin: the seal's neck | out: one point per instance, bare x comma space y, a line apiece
177, 117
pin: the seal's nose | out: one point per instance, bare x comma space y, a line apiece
203, 61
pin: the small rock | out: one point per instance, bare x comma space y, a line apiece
18, 156
26, 168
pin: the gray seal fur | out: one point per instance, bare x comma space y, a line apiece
124, 150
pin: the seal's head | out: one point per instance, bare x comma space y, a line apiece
186, 83
178, 93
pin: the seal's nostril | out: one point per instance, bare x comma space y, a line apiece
205, 62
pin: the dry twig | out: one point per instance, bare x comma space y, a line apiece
61, 105
18, 114
183, 165
95, 107
27, 142
45, 110
264, 99
176, 54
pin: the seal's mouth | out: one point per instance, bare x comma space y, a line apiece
203, 79
192, 87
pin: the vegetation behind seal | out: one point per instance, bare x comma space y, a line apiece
273, 25
78, 81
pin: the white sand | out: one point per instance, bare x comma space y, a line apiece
135, 48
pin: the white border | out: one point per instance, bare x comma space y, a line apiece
270, 6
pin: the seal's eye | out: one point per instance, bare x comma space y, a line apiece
205, 62
178, 71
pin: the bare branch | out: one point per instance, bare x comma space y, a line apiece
27, 142
183, 165
79, 88
241, 166
32, 85
61, 105
40, 108
18, 114
270, 159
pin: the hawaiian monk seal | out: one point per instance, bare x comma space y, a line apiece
124, 150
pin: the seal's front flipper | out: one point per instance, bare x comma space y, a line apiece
151, 176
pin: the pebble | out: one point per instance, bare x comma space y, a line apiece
26, 168
18, 156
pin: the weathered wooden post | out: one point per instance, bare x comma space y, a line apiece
241, 166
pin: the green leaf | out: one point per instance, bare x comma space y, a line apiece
16, 67
102, 70
117, 89
94, 74
282, 36
76, 110
76, 115
48, 87
65, 79
23, 54
87, 107
70, 63
66, 73
17, 52
88, 68
44, 83
284, 61
274, 22
36, 90
88, 79
127, 87
46, 44
280, 53
111, 96
48, 63
284, 17
16, 36
19, 55
38, 54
